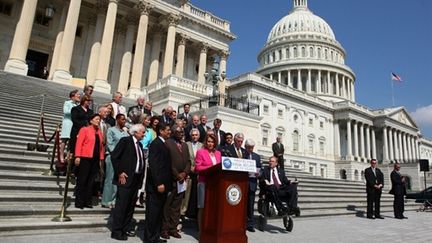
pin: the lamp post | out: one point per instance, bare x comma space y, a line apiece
214, 78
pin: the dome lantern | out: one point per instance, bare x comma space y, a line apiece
300, 4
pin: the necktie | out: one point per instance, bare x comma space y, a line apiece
140, 166
179, 146
275, 180
239, 154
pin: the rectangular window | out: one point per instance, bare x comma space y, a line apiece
321, 125
265, 134
310, 122
311, 146
321, 145
266, 109
280, 113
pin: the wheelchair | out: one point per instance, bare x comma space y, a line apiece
267, 210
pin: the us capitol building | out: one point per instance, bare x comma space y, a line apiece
171, 51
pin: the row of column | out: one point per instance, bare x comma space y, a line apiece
367, 149
318, 81
399, 146
100, 53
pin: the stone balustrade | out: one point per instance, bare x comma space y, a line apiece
206, 16
183, 83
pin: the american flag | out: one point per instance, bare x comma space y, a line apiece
396, 77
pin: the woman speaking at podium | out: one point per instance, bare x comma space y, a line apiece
205, 158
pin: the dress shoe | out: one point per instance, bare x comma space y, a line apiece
165, 235
250, 229
379, 217
88, 206
175, 234
130, 233
370, 217
79, 206
119, 237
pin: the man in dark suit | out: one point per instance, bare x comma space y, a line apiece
278, 151
166, 116
194, 124
398, 190
185, 116
374, 184
158, 184
250, 154
181, 166
220, 135
279, 188
235, 150
128, 163
203, 128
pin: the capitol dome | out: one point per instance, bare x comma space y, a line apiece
300, 21
302, 52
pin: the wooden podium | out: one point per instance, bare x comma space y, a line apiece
224, 216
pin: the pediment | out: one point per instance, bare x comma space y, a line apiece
402, 116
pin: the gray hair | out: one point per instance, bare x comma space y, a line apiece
116, 93
141, 97
194, 130
249, 142
135, 128
239, 135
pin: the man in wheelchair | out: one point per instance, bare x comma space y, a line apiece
275, 187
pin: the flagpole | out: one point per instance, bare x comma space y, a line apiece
392, 91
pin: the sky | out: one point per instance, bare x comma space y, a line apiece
379, 37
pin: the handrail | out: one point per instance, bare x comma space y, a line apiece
62, 217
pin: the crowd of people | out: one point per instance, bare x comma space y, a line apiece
129, 158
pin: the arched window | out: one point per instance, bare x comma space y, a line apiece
311, 51
319, 53
296, 140
274, 56
303, 51
295, 51
322, 146
342, 174
288, 53
356, 175
311, 142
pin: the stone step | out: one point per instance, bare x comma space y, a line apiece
18, 197
24, 167
29, 176
32, 186
14, 151
25, 126
339, 212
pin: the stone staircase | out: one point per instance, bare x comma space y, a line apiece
29, 199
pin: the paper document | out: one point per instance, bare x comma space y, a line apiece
181, 187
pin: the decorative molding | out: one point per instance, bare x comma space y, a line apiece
173, 19
183, 39
101, 6
144, 7
224, 54
204, 47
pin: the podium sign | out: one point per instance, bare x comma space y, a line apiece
236, 164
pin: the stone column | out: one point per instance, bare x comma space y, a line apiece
169, 48
318, 83
337, 84
385, 146
127, 55
395, 146
410, 150
337, 140
349, 140
299, 80
391, 153
62, 74
344, 93
18, 52
414, 156
101, 82
202, 63
271, 76
374, 154
403, 141
416, 147
155, 52
309, 82
405, 146
362, 141
138, 62
222, 69
352, 90
329, 88
348, 89
59, 38
97, 39
356, 145
290, 83
181, 48
368, 143
279, 77
400, 146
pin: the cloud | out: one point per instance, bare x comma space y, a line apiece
423, 115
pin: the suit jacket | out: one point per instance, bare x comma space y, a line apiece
233, 152
80, 119
203, 132
253, 180
167, 120
277, 150
372, 180
265, 175
187, 117
200, 129
191, 152
203, 161
180, 160
137, 107
124, 159
160, 170
222, 137
86, 142
398, 187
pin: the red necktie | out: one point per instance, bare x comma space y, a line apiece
275, 180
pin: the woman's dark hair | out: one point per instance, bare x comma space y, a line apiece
153, 118
93, 116
73, 93
118, 116
207, 137
84, 98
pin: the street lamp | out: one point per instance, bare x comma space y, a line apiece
214, 78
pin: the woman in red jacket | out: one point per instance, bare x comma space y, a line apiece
89, 154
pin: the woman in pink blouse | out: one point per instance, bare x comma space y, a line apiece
204, 159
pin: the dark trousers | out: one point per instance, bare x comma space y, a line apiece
373, 197
250, 208
86, 174
281, 163
154, 212
398, 205
125, 206
171, 211
286, 194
